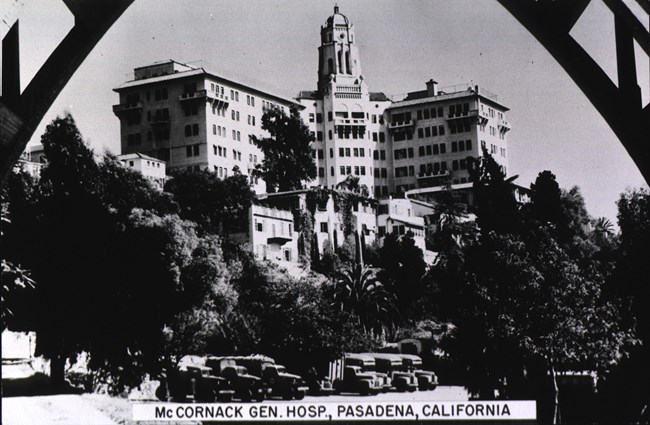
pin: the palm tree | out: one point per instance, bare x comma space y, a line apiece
358, 291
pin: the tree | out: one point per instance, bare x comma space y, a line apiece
530, 306
357, 290
496, 205
217, 205
402, 266
287, 152
545, 198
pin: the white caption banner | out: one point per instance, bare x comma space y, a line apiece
334, 411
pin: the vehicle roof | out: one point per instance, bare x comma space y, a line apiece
358, 356
385, 356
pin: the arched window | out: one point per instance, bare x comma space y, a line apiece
330, 66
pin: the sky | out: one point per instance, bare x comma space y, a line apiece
402, 43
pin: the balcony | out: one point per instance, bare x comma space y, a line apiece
504, 125
401, 124
218, 100
278, 240
469, 114
431, 174
127, 107
160, 121
350, 122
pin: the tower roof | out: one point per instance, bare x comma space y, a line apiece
337, 18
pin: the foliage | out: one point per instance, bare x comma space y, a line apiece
218, 206
287, 159
402, 267
357, 290
496, 206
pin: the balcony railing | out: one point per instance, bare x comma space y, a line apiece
503, 125
199, 94
468, 114
429, 174
217, 99
125, 107
350, 121
160, 121
401, 124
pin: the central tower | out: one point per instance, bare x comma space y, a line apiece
338, 56
346, 120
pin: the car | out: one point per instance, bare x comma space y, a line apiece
368, 365
393, 366
246, 387
192, 379
354, 380
427, 380
274, 377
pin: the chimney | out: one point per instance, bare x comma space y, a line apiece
432, 88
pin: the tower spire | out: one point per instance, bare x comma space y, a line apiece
336, 8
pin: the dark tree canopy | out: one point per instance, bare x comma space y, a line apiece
218, 206
287, 152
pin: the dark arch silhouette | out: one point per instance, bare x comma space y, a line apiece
549, 21
21, 113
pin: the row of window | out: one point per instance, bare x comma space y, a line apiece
430, 113
433, 168
461, 145
347, 170
434, 149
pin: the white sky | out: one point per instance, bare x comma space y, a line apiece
274, 43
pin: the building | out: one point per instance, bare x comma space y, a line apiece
151, 168
435, 135
419, 143
193, 119
346, 119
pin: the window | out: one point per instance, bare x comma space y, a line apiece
347, 152
341, 152
454, 146
320, 154
420, 132
323, 227
356, 170
427, 132
342, 170
382, 154
319, 135
356, 152
363, 170
382, 137
426, 114
134, 139
319, 117
188, 130
331, 171
321, 172
195, 129
331, 153
311, 117
214, 129
461, 145
432, 149
434, 131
